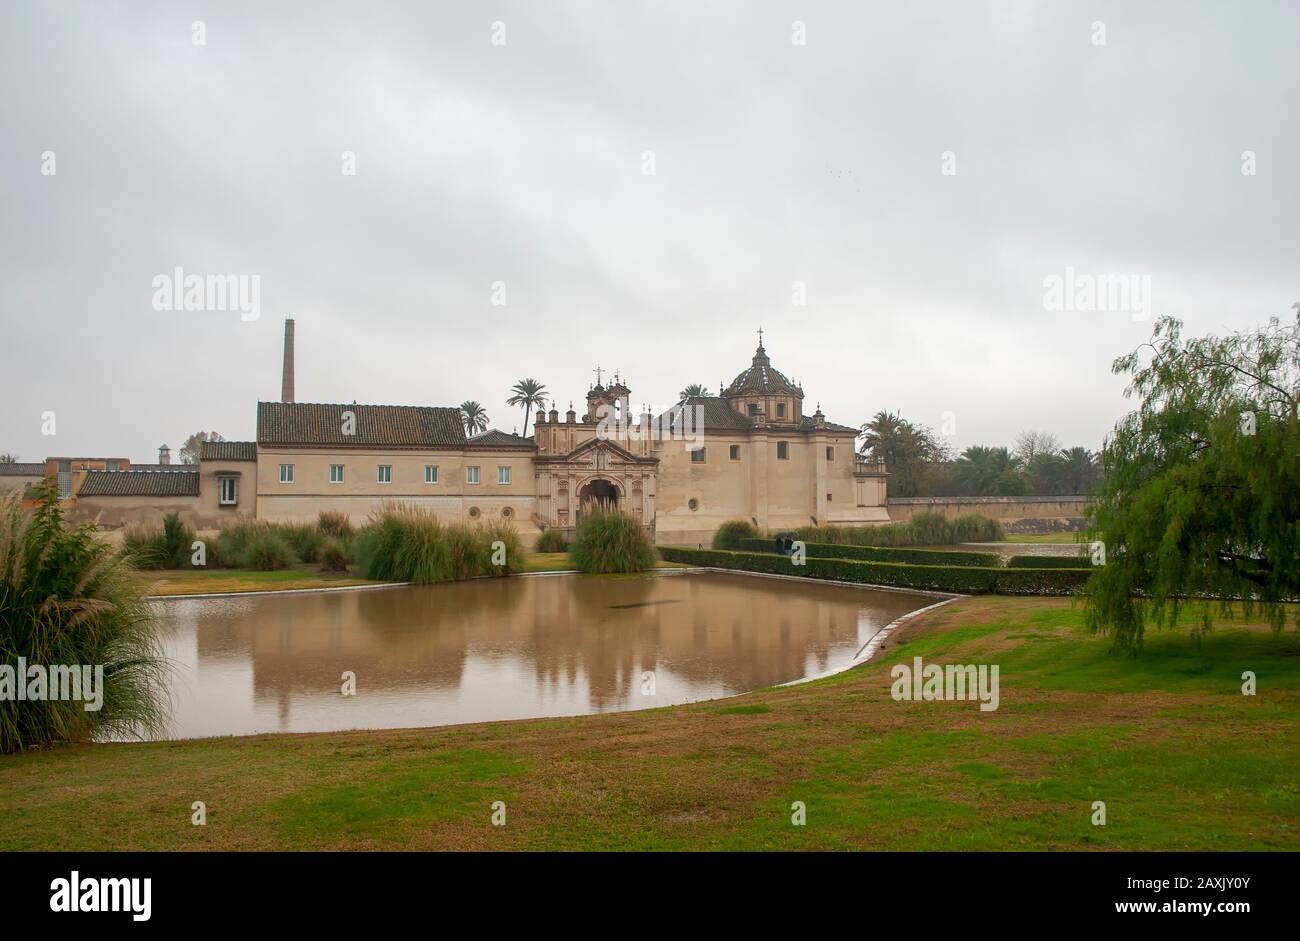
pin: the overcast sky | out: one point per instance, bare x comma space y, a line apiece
525, 163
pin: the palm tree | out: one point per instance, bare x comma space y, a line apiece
474, 417
527, 392
983, 471
695, 390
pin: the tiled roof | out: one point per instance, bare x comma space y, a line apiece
395, 426
133, 483
22, 470
718, 414
228, 451
162, 468
807, 425
498, 439
761, 379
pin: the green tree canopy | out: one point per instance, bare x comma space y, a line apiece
474, 416
1201, 493
908, 450
528, 395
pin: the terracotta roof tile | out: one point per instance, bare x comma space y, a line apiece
228, 451
133, 483
394, 426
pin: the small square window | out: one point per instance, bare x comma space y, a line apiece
783, 450
385, 473
503, 475
228, 491
286, 473
471, 475
735, 452
430, 473
336, 473
697, 456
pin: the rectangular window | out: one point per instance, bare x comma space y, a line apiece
753, 409
336, 473
830, 454
697, 456
735, 452
503, 475
430, 473
228, 495
471, 475
783, 450
286, 473
829, 498
780, 411
385, 473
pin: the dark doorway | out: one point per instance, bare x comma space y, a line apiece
597, 493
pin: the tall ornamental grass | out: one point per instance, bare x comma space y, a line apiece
67, 599
406, 543
609, 540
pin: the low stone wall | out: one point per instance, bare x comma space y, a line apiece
1016, 514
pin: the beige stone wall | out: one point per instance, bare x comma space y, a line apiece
210, 491
452, 498
114, 512
1023, 514
18, 483
773, 493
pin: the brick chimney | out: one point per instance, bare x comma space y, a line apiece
286, 380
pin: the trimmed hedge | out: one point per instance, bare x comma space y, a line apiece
882, 554
962, 579
1048, 562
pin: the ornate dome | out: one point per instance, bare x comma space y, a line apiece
762, 379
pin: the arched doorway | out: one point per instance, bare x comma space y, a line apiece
597, 492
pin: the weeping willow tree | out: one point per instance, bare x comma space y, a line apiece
1201, 488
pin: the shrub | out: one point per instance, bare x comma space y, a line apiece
268, 551
924, 529
503, 532
334, 523
974, 527
66, 598
166, 548
551, 540
881, 554
303, 538
334, 555
611, 541
144, 547
732, 532
962, 579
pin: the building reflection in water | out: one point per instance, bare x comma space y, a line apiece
504, 649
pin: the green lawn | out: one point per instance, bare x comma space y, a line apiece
1068, 538
1180, 757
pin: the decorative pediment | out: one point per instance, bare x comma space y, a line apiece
598, 453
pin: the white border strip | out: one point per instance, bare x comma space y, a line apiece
869, 649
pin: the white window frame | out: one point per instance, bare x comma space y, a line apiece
342, 474
472, 474
430, 478
286, 473
380, 476
234, 491
503, 475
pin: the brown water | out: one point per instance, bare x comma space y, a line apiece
505, 648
